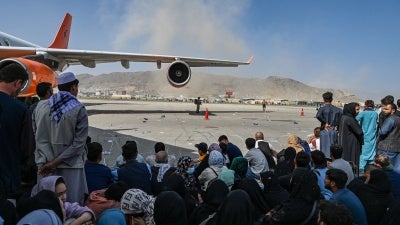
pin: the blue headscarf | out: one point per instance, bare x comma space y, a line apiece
216, 159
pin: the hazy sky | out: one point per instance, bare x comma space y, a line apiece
351, 45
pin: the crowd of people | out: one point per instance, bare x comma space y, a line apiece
346, 173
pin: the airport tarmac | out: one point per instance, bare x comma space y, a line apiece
176, 124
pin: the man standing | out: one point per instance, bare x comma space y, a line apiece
44, 90
197, 102
389, 136
16, 136
329, 116
368, 120
62, 129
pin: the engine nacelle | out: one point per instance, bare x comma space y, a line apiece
37, 73
178, 74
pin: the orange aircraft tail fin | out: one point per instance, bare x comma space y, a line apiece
62, 37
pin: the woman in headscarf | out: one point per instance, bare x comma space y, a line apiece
285, 163
256, 196
351, 136
294, 142
43, 200
213, 198
301, 206
215, 162
112, 216
237, 209
375, 195
74, 212
169, 209
40, 217
136, 201
274, 193
240, 165
174, 182
184, 163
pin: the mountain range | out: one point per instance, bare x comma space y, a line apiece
154, 83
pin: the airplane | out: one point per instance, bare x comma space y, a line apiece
42, 64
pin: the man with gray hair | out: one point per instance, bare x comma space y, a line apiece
266, 149
61, 137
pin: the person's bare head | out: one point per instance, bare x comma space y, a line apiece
389, 109
162, 157
259, 135
13, 78
381, 161
369, 104
328, 97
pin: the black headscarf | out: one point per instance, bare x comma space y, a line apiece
213, 198
44, 199
375, 195
380, 181
304, 185
285, 163
274, 193
350, 109
169, 209
176, 183
216, 193
237, 209
255, 193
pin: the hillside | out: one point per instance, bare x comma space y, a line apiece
154, 83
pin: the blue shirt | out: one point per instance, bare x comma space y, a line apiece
353, 203
98, 176
386, 127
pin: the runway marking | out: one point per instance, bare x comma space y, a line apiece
211, 127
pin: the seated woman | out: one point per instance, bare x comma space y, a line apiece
216, 163
74, 212
139, 205
212, 199
294, 142
301, 206
43, 208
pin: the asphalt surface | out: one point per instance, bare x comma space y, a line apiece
112, 123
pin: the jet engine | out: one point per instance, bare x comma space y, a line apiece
178, 74
37, 73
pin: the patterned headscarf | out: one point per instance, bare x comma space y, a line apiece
216, 159
60, 103
136, 201
181, 169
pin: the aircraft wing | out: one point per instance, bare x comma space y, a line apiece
91, 58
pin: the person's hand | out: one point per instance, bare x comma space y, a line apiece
85, 218
46, 169
49, 167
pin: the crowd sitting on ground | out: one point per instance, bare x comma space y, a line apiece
343, 175
301, 187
